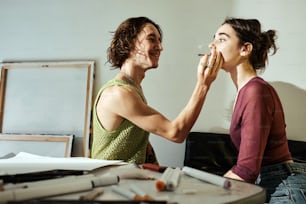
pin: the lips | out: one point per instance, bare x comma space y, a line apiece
155, 54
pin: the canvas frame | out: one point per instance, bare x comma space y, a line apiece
44, 145
57, 96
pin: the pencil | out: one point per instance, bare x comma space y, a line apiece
154, 167
140, 192
12, 186
126, 193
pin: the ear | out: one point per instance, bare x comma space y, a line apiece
246, 49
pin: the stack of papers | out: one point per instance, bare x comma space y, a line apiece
24, 163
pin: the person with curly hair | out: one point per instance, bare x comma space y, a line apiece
122, 119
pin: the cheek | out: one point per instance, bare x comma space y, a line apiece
223, 51
227, 57
227, 53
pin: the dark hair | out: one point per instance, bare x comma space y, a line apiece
123, 41
249, 30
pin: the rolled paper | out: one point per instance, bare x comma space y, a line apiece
169, 179
53, 189
173, 181
207, 177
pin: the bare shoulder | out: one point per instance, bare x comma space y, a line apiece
120, 100
112, 106
117, 93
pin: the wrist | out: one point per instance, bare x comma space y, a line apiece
203, 87
201, 90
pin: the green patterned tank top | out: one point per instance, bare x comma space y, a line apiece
128, 142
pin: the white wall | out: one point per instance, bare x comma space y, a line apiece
80, 29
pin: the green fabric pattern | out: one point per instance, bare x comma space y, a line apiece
128, 142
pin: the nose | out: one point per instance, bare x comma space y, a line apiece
159, 47
211, 45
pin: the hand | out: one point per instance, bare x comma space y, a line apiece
209, 67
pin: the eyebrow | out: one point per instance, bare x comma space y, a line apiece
219, 34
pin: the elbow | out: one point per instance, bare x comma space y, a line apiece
175, 133
177, 140
177, 137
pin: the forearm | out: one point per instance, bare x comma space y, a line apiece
188, 116
182, 124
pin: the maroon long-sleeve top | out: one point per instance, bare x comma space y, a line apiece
258, 129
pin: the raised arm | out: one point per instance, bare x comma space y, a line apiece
129, 104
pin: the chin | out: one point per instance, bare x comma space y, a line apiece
224, 69
154, 66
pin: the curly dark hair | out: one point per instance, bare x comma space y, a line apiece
249, 30
123, 41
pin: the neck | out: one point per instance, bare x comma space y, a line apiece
131, 73
242, 75
128, 78
131, 78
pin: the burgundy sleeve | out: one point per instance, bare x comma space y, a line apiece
255, 127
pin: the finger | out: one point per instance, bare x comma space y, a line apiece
204, 60
219, 61
203, 63
212, 58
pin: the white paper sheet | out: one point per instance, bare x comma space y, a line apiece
28, 163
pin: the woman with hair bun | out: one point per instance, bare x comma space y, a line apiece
258, 128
